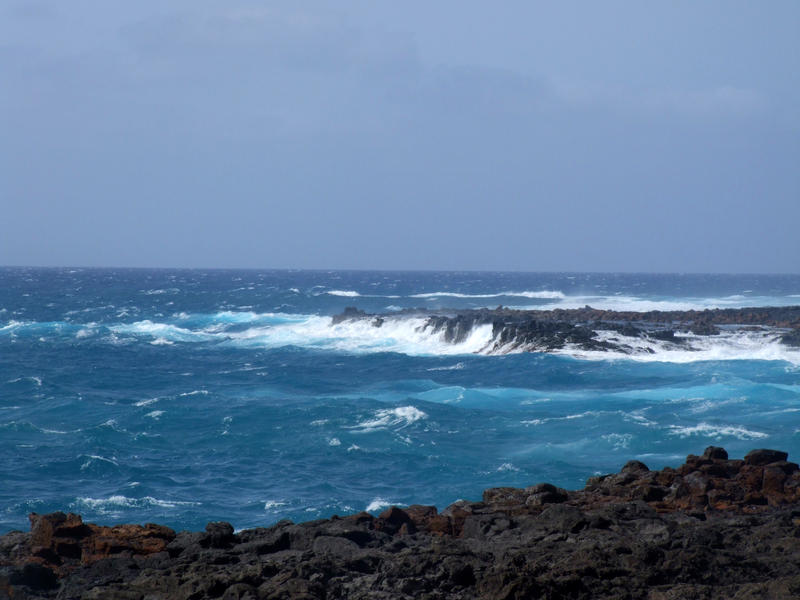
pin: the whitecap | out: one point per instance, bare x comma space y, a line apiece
156, 414
403, 335
625, 303
379, 504
272, 504
399, 417
543, 294
146, 402
162, 330
56, 431
506, 467
103, 505
334, 442
343, 293
716, 431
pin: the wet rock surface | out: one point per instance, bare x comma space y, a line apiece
552, 330
712, 528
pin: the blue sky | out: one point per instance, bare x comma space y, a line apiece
582, 136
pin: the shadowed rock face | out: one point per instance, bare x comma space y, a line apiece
713, 528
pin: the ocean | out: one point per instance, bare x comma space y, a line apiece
188, 396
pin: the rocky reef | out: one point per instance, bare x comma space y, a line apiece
713, 528
595, 329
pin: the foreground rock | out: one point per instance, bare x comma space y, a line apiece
713, 528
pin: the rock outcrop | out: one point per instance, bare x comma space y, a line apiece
713, 528
588, 328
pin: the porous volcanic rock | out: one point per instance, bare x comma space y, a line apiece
713, 528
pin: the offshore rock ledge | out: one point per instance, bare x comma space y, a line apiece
713, 528
592, 329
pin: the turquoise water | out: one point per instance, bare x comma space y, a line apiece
188, 396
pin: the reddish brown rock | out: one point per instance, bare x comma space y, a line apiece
709, 523
58, 539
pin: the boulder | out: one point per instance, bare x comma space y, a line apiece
763, 456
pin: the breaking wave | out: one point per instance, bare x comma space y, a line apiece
406, 334
397, 418
543, 294
117, 502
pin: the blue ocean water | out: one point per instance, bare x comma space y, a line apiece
185, 396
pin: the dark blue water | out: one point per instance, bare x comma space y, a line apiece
188, 396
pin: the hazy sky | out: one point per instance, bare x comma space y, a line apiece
591, 136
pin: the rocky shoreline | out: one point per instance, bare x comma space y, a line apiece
712, 528
594, 329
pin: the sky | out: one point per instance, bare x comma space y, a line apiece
367, 134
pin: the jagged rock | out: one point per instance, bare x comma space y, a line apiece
220, 535
552, 330
713, 528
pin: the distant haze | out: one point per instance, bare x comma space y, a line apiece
591, 136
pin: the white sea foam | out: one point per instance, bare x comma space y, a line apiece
272, 504
506, 467
640, 304
146, 402
334, 442
734, 345
58, 431
619, 441
716, 431
343, 293
156, 414
410, 335
162, 331
33, 378
543, 294
399, 418
116, 502
378, 504
13, 325
402, 335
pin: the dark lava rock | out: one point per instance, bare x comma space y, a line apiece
220, 535
553, 330
715, 452
349, 313
712, 529
792, 338
764, 457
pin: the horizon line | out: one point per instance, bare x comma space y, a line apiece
396, 270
